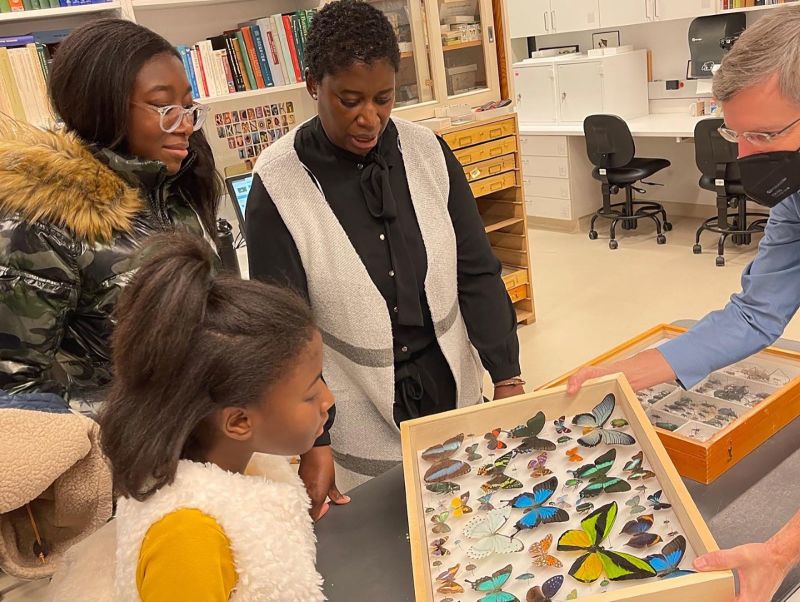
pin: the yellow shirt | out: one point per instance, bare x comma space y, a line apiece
185, 556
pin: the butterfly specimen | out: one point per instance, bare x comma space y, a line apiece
499, 479
634, 507
584, 507
595, 560
564, 439
437, 547
593, 431
655, 501
634, 467
486, 529
538, 468
572, 484
445, 468
440, 522
560, 427
486, 503
472, 453
448, 581
529, 433
619, 423
547, 590
493, 586
541, 558
532, 503
561, 502
493, 442
525, 576
639, 529
666, 564
597, 473
443, 450
573, 595
459, 505
573, 455
444, 487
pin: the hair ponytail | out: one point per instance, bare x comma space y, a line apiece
188, 342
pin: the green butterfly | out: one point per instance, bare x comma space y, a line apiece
597, 473
493, 586
595, 528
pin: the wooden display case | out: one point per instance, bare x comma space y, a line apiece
489, 151
777, 402
420, 434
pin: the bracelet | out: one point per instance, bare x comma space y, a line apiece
510, 382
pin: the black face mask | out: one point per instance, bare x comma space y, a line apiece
768, 178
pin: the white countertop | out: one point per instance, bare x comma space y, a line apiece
658, 125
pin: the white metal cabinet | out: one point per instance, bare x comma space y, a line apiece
665, 10
575, 15
536, 94
580, 87
528, 17
616, 13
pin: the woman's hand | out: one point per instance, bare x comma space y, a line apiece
317, 472
761, 569
508, 391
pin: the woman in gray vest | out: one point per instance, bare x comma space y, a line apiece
372, 219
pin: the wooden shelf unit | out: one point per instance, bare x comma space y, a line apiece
489, 151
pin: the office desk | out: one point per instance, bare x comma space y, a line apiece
363, 550
655, 125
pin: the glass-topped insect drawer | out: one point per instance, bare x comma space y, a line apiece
547, 497
713, 425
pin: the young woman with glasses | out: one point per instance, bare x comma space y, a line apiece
77, 202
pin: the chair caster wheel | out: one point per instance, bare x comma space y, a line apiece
612, 244
592, 235
667, 227
697, 249
661, 239
720, 262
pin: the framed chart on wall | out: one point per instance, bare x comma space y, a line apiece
547, 497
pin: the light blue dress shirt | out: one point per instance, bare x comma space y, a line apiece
755, 317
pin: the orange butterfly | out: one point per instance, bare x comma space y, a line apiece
573, 455
540, 556
448, 583
492, 440
459, 505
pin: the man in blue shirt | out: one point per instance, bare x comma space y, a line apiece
758, 85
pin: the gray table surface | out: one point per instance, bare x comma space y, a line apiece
364, 554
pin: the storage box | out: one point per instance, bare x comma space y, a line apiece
463, 78
703, 447
430, 432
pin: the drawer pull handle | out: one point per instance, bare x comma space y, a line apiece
465, 140
495, 169
494, 152
496, 186
475, 173
495, 132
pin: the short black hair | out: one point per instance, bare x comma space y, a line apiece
349, 31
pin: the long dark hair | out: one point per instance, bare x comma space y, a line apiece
189, 341
91, 79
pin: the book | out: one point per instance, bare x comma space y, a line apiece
36, 68
222, 56
252, 58
287, 25
26, 5
16, 6
240, 58
10, 86
50, 36
280, 31
238, 76
221, 42
186, 58
25, 78
35, 5
248, 69
214, 75
272, 45
53, 4
15, 41
261, 53
201, 84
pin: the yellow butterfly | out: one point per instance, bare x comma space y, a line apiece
541, 558
459, 505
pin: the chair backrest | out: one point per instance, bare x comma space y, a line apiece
711, 149
609, 142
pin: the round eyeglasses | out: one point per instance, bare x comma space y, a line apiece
172, 116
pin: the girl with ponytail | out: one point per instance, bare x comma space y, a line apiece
211, 374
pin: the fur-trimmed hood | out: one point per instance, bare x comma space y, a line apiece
52, 176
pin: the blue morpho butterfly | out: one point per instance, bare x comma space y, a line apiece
666, 564
546, 592
493, 586
533, 505
445, 468
593, 431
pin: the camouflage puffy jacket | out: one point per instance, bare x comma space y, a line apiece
70, 223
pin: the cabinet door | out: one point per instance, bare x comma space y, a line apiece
665, 10
536, 94
576, 15
580, 90
615, 13
528, 18
468, 45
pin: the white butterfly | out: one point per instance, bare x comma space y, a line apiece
593, 431
485, 528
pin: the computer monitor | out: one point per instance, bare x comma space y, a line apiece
238, 189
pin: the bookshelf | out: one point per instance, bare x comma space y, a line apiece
252, 94
748, 9
57, 13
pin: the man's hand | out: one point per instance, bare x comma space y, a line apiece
761, 569
317, 472
643, 370
508, 391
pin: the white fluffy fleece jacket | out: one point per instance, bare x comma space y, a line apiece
265, 518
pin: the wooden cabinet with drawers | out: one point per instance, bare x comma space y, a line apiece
490, 154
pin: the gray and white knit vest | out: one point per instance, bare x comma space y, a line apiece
350, 311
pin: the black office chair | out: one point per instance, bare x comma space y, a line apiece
716, 160
610, 147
